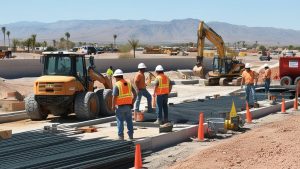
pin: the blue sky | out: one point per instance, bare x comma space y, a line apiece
263, 13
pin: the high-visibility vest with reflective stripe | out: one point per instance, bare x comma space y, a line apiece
125, 95
163, 85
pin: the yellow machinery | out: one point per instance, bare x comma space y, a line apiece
233, 121
225, 69
67, 86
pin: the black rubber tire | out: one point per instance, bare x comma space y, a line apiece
286, 81
104, 95
296, 80
33, 109
82, 106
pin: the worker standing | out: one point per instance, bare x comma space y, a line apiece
109, 71
267, 78
140, 84
249, 79
162, 89
122, 102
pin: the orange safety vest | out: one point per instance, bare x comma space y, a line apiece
163, 85
248, 77
125, 95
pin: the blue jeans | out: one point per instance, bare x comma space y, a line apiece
267, 85
145, 93
250, 89
124, 113
162, 106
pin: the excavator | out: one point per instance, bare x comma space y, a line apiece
225, 69
67, 86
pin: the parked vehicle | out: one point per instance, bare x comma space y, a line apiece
265, 58
88, 50
289, 70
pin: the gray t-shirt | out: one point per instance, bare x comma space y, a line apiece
115, 91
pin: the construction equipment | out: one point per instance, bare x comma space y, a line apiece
233, 120
67, 86
5, 52
226, 69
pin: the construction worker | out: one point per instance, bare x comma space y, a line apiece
267, 78
109, 71
249, 79
162, 89
140, 84
122, 102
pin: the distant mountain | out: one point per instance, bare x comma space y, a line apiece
146, 31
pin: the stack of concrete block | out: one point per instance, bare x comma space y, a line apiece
13, 102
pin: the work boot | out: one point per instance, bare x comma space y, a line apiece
158, 121
165, 121
130, 137
121, 138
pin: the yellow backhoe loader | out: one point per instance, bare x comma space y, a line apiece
67, 86
226, 69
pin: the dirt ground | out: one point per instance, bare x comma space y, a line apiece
271, 144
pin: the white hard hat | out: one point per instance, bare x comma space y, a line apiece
266, 65
118, 72
159, 68
247, 66
142, 66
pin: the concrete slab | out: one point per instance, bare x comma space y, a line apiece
140, 124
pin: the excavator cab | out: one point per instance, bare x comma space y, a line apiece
222, 65
67, 86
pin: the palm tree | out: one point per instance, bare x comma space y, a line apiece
54, 42
15, 43
8, 33
115, 37
133, 43
28, 42
3, 31
45, 44
33, 41
67, 34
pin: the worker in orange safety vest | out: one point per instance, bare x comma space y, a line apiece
163, 87
122, 103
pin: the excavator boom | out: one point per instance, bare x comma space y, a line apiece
204, 31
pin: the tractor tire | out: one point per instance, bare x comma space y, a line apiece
86, 106
286, 81
296, 80
34, 110
105, 100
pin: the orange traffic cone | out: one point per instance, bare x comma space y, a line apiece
138, 157
296, 104
283, 106
248, 114
201, 127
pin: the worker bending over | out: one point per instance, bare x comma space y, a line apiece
267, 78
249, 79
122, 103
162, 89
140, 84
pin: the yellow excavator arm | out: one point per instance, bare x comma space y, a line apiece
204, 31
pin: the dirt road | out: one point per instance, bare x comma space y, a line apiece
270, 145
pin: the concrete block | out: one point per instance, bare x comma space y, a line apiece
186, 81
173, 94
5, 134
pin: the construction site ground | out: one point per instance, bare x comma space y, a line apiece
269, 142
239, 150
